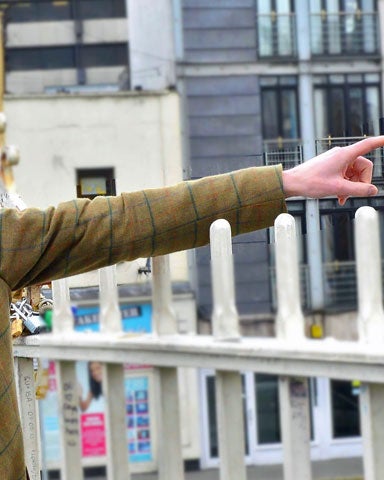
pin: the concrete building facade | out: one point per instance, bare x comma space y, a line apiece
259, 82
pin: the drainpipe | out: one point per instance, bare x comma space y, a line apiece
308, 136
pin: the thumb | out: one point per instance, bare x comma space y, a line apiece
357, 189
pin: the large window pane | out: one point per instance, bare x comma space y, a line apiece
356, 114
333, 40
284, 28
337, 112
270, 114
40, 58
41, 10
279, 110
345, 410
344, 27
275, 24
347, 105
264, 28
373, 109
267, 408
322, 129
290, 127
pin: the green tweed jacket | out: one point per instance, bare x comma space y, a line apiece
82, 235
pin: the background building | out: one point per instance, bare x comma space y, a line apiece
259, 82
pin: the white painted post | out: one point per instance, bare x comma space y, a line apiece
164, 323
28, 413
110, 315
293, 392
62, 314
68, 396
371, 331
225, 322
113, 382
67, 387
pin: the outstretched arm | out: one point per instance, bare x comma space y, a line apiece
341, 171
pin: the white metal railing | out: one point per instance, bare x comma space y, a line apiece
288, 152
290, 355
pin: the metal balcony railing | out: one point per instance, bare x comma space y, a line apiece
288, 152
340, 286
345, 33
377, 156
276, 35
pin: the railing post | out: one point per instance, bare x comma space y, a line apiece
225, 324
371, 331
164, 323
28, 413
293, 392
67, 388
113, 381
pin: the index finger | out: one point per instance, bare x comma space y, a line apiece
365, 146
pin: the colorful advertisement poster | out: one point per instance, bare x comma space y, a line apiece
138, 420
135, 319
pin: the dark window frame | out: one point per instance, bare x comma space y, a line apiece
346, 86
279, 89
108, 173
47, 10
37, 58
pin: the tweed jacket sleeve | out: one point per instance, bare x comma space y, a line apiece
82, 235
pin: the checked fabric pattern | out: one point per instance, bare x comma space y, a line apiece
83, 235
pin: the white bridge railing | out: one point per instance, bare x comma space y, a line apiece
290, 355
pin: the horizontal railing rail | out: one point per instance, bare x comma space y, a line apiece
290, 355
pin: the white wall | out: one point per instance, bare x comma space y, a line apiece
137, 134
151, 43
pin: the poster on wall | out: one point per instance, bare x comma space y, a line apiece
135, 319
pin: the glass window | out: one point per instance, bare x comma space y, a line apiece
356, 117
345, 409
275, 28
82, 56
279, 109
267, 409
347, 109
105, 55
39, 11
344, 27
320, 97
270, 114
289, 114
337, 234
39, 58
95, 181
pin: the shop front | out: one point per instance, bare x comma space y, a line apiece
334, 413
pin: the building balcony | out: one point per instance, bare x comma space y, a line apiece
344, 34
288, 152
276, 36
340, 287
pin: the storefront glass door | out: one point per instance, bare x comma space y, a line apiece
335, 428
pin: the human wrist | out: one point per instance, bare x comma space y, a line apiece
290, 183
